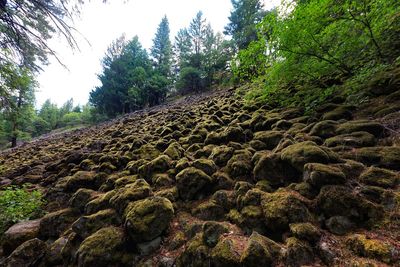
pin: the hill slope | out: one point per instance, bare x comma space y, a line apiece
209, 181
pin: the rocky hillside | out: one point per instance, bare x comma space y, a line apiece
210, 181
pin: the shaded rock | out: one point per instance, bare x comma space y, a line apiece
147, 248
298, 252
381, 156
84, 179
260, 251
307, 152
196, 254
55, 223
356, 139
371, 127
209, 210
240, 165
221, 155
158, 165
212, 231
174, 151
206, 165
324, 129
226, 253
339, 225
270, 138
192, 182
18, 234
146, 219
319, 175
339, 113
87, 225
102, 248
380, 177
81, 197
27, 254
99, 203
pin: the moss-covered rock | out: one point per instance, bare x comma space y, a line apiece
270, 167
134, 165
339, 225
307, 152
371, 127
206, 165
305, 231
282, 208
270, 138
103, 248
192, 183
380, 177
174, 151
338, 200
212, 232
158, 165
123, 196
226, 253
148, 218
81, 197
318, 175
381, 156
370, 248
209, 210
240, 165
260, 251
324, 129
99, 203
298, 252
196, 254
356, 139
84, 179
87, 225
55, 223
221, 155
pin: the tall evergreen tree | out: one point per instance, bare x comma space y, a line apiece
243, 19
161, 50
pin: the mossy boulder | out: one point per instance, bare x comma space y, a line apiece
270, 138
282, 208
84, 179
240, 165
174, 151
103, 248
196, 254
371, 127
339, 225
307, 152
380, 177
260, 251
148, 218
371, 248
271, 168
192, 183
212, 232
158, 165
101, 202
339, 113
18, 234
298, 252
381, 156
335, 200
356, 139
318, 175
87, 225
324, 129
305, 231
123, 196
55, 223
221, 155
206, 165
226, 253
209, 210
147, 152
81, 197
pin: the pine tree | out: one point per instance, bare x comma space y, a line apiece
243, 19
162, 49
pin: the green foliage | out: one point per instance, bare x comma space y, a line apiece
190, 80
319, 48
162, 49
19, 204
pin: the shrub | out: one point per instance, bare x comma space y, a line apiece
19, 204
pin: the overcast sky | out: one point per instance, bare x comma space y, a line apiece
100, 24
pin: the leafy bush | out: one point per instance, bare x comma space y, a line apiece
191, 80
19, 204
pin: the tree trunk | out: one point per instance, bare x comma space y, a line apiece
15, 121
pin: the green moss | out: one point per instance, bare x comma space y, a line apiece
196, 253
103, 248
371, 127
319, 175
83, 179
305, 231
212, 232
148, 218
100, 202
381, 156
224, 254
209, 210
158, 165
324, 129
356, 139
339, 113
206, 165
371, 248
298, 252
147, 152
191, 182
86, 225
380, 177
174, 151
260, 251
138, 190
81, 197
270, 138
221, 155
